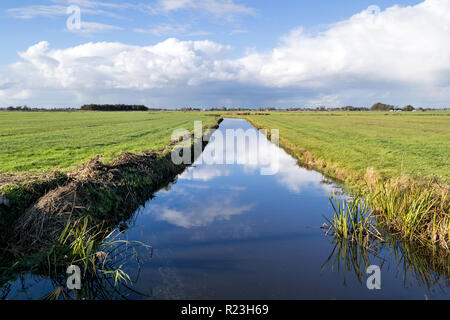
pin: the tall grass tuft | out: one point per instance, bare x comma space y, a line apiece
414, 212
352, 220
100, 254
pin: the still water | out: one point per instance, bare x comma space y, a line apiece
228, 232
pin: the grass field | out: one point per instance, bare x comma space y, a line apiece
340, 145
393, 144
42, 141
407, 185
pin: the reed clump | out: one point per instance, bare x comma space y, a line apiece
98, 251
352, 220
412, 210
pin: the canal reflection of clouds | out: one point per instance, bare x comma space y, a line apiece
199, 213
204, 173
296, 180
251, 159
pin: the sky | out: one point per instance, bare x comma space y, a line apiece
233, 53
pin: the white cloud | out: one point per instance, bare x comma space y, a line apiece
238, 31
119, 66
218, 8
60, 9
37, 11
200, 33
206, 173
400, 45
199, 214
400, 54
165, 29
95, 27
95, 4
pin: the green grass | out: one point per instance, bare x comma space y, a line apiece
393, 144
408, 156
343, 145
45, 141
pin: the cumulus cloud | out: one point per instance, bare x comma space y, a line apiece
399, 54
119, 66
400, 45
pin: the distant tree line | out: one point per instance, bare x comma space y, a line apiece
386, 107
113, 107
122, 107
28, 109
376, 107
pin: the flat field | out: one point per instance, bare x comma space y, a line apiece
42, 141
392, 143
396, 144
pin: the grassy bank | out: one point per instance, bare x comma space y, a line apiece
104, 189
42, 150
45, 141
393, 144
398, 162
59, 219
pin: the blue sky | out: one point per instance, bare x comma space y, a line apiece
225, 52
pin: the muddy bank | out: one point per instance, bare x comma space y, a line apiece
108, 193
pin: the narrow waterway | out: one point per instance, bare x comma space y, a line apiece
226, 231
229, 232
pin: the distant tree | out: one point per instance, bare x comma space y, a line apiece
409, 108
115, 107
381, 107
351, 108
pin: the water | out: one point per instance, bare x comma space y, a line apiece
228, 232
